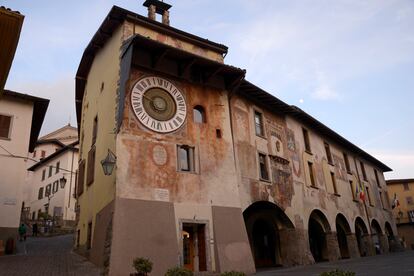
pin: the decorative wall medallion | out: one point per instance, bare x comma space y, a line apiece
158, 104
159, 155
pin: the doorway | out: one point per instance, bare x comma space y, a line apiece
194, 246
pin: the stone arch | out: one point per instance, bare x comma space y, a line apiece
362, 237
388, 230
318, 229
343, 231
268, 229
377, 237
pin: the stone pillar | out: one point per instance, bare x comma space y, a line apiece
352, 242
332, 246
294, 247
151, 12
383, 240
395, 245
368, 245
166, 18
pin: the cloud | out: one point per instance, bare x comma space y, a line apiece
402, 162
60, 92
323, 90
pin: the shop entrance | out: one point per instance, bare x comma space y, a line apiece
194, 246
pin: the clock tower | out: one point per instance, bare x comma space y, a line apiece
158, 99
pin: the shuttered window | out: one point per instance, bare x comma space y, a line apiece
91, 166
81, 177
5, 122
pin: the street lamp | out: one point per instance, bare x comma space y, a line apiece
108, 163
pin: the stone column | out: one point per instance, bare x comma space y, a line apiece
151, 12
166, 18
294, 247
383, 240
332, 246
352, 246
368, 245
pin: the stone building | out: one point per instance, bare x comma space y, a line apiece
57, 159
212, 173
402, 190
21, 118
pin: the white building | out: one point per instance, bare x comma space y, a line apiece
21, 118
57, 155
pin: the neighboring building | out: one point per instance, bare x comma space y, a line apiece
403, 191
10, 26
21, 118
212, 173
57, 153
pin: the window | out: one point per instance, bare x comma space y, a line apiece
258, 122
90, 173
40, 195
218, 133
381, 200
5, 126
369, 196
328, 153
43, 174
306, 140
57, 167
185, 156
353, 191
81, 178
43, 154
347, 166
264, 174
409, 200
48, 190
406, 187
376, 178
50, 171
55, 187
311, 174
335, 189
95, 130
364, 174
199, 114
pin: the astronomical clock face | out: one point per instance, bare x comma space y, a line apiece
158, 104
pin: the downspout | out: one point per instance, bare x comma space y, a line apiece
71, 176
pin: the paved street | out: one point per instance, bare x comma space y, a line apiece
46, 256
395, 264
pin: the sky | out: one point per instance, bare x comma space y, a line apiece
348, 63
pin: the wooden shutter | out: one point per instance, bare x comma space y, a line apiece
91, 166
81, 177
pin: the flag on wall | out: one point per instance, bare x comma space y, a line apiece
395, 202
362, 192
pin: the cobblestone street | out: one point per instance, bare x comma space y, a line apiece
46, 256
396, 264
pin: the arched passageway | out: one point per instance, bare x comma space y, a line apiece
342, 231
318, 227
376, 236
361, 231
264, 223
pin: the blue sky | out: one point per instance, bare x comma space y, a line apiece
350, 64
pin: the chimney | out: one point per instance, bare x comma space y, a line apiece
157, 6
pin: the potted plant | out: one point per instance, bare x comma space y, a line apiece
142, 266
179, 271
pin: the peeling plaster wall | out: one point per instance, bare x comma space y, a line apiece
131, 29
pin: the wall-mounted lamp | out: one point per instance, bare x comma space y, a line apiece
62, 182
108, 163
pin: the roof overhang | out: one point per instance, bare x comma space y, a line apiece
10, 27
70, 147
39, 112
274, 105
